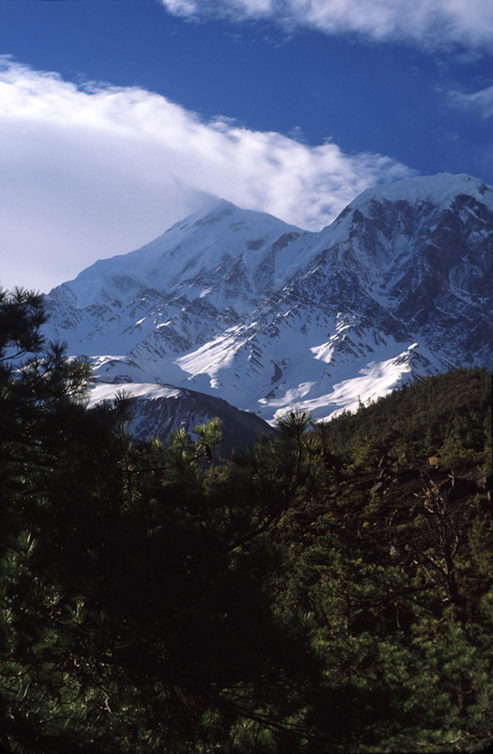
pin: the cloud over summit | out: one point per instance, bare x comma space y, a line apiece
89, 172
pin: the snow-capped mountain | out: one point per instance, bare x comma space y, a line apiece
238, 305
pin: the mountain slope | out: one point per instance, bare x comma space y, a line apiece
237, 304
159, 409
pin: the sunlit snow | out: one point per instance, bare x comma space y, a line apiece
239, 305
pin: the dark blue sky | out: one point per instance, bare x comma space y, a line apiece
366, 96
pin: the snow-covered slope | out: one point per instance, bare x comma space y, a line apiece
238, 305
222, 244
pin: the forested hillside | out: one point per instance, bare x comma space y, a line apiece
448, 413
330, 590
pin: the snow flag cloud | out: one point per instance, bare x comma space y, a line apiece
93, 171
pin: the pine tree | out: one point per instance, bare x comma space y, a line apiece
136, 614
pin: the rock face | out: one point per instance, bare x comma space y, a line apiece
238, 305
160, 409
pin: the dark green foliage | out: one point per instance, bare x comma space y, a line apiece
136, 617
446, 413
21, 316
289, 600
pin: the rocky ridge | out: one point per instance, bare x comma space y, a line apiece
237, 305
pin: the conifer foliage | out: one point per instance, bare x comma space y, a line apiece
154, 600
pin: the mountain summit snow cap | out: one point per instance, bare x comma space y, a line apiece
220, 233
439, 189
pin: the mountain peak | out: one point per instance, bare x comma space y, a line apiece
210, 213
218, 234
219, 218
239, 305
439, 189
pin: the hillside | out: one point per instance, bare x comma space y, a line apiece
387, 491
447, 413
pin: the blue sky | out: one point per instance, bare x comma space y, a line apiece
119, 117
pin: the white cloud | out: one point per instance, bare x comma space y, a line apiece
480, 102
428, 23
86, 174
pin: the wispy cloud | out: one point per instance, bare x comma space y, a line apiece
92, 172
480, 102
428, 23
